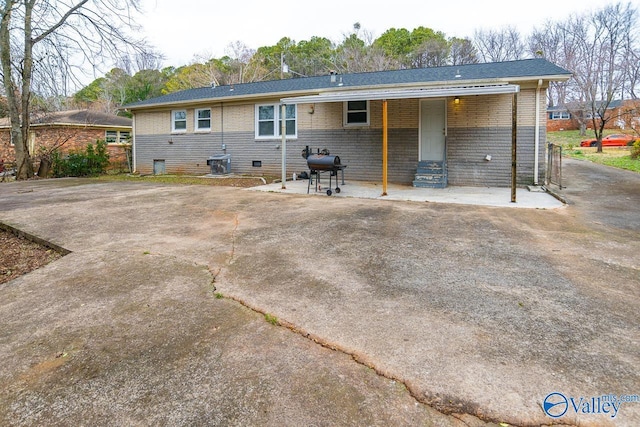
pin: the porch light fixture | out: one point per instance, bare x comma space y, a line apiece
456, 100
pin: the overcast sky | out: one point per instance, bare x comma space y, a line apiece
185, 28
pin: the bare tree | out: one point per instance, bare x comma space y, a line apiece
462, 52
499, 45
431, 53
599, 59
550, 42
239, 57
79, 33
632, 66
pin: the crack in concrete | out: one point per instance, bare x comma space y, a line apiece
359, 358
232, 253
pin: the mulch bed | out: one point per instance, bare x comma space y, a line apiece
19, 256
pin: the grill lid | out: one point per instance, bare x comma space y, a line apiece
322, 162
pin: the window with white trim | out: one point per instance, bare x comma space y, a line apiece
111, 136
560, 115
31, 141
179, 121
203, 120
117, 136
268, 121
356, 113
124, 136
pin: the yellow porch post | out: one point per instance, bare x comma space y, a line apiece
283, 134
384, 147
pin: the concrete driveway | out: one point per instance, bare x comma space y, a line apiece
388, 313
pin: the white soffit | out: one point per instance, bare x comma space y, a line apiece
371, 95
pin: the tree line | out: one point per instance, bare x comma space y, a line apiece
601, 48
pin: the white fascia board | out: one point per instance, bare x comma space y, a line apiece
371, 95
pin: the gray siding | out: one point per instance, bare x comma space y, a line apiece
360, 150
187, 154
467, 148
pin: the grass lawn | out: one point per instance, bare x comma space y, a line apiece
618, 157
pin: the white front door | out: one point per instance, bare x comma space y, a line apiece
432, 129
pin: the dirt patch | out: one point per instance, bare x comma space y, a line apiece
222, 181
20, 256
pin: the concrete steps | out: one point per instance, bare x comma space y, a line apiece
431, 174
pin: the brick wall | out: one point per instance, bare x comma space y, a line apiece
67, 138
477, 126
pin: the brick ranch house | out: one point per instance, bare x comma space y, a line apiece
72, 130
625, 114
458, 118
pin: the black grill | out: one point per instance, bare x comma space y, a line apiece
323, 162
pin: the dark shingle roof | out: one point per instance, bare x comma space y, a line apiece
76, 117
534, 68
613, 104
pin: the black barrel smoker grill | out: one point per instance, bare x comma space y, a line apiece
323, 162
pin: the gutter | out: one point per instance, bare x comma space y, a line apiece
536, 161
133, 144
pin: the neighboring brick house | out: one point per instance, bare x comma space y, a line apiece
72, 130
458, 118
625, 113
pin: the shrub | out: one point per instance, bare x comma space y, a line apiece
635, 149
89, 162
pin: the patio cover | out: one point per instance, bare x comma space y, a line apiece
420, 92
382, 94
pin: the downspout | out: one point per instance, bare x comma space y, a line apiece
385, 144
133, 143
536, 161
224, 147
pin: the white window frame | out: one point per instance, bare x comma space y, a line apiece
276, 121
114, 136
346, 112
197, 119
173, 121
121, 137
124, 136
560, 115
31, 142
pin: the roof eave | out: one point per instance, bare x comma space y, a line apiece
550, 78
76, 125
216, 100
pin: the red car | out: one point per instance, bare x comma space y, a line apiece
615, 140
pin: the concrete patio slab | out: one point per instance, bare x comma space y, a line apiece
479, 196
